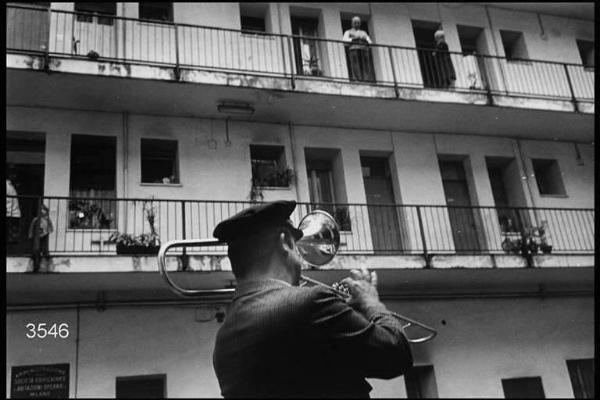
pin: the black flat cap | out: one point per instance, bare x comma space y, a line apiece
250, 220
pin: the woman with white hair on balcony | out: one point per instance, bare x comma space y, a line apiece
444, 70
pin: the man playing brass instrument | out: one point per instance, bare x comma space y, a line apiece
282, 340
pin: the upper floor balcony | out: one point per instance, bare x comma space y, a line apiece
96, 44
415, 236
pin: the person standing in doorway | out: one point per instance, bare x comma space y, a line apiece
445, 76
358, 52
40, 229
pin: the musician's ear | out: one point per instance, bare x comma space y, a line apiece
285, 240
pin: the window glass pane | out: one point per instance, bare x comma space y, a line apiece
268, 166
159, 161
548, 177
581, 373
141, 387
523, 388
253, 24
156, 11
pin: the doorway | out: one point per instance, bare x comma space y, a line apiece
366, 57
460, 212
25, 159
473, 46
383, 215
424, 32
306, 51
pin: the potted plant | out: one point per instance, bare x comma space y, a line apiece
282, 177
342, 217
146, 243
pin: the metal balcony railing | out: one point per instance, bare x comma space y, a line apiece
69, 34
85, 225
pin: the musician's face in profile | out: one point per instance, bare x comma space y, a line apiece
293, 261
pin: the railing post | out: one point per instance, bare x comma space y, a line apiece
425, 252
291, 54
184, 259
523, 249
47, 49
177, 71
393, 72
36, 236
573, 99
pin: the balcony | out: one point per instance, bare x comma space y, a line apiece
125, 47
423, 236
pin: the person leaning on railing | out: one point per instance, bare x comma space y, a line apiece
358, 52
40, 229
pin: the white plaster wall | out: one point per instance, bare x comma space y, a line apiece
389, 24
211, 170
482, 342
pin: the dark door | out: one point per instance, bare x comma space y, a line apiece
456, 191
367, 56
25, 169
425, 42
306, 51
383, 215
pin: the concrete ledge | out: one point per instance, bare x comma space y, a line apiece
460, 261
561, 261
586, 107
531, 103
235, 79
509, 261
212, 263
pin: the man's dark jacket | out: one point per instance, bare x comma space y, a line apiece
288, 341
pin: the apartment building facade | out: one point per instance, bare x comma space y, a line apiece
165, 118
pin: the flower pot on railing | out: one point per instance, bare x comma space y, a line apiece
141, 244
136, 249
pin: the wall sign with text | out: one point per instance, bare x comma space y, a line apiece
40, 381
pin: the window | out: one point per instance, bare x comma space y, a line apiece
514, 45
102, 11
306, 50
268, 166
523, 388
142, 387
548, 177
253, 24
252, 17
582, 377
420, 383
586, 51
156, 11
159, 161
93, 175
326, 184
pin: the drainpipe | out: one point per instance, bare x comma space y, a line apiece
125, 151
521, 162
294, 166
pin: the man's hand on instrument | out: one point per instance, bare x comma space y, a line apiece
363, 288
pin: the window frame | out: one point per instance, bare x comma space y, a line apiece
133, 378
175, 161
88, 16
170, 11
536, 379
277, 159
517, 36
579, 389
542, 178
582, 44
